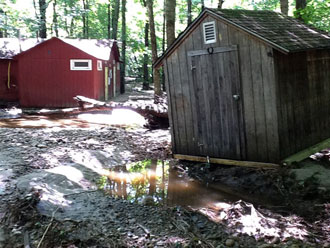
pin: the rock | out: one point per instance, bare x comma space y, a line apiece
230, 242
275, 240
326, 245
41, 146
265, 246
148, 201
2, 235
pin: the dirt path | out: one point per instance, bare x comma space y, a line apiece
49, 193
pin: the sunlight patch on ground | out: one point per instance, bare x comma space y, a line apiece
117, 117
88, 160
69, 172
244, 218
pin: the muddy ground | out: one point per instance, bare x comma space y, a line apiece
50, 173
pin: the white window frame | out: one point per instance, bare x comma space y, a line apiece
215, 32
74, 68
99, 65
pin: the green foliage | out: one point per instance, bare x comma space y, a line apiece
316, 13
102, 182
265, 4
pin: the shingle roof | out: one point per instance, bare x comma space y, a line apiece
9, 47
286, 32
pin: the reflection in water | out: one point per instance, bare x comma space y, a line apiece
152, 182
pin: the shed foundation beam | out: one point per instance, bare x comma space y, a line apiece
307, 152
227, 161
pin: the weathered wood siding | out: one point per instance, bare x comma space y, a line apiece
255, 115
303, 81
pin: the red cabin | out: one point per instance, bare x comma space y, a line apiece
49, 73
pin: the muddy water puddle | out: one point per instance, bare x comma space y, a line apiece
152, 182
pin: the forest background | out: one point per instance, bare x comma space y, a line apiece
144, 28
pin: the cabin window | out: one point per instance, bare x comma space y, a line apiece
81, 64
209, 32
99, 65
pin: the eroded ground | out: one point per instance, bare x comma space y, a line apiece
87, 182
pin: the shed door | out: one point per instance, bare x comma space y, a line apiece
216, 84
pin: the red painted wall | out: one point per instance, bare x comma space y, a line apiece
47, 81
99, 86
8, 94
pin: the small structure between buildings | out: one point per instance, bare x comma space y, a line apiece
49, 73
248, 86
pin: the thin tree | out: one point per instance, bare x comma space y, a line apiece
85, 19
284, 7
220, 3
156, 74
55, 23
109, 19
170, 21
115, 17
145, 84
42, 19
163, 45
123, 48
300, 5
2, 29
189, 20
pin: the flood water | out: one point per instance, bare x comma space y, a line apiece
151, 182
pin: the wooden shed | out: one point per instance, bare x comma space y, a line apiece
247, 85
49, 73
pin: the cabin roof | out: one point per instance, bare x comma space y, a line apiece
101, 49
288, 33
283, 33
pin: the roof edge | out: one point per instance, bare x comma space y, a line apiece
177, 41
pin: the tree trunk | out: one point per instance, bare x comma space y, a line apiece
55, 24
203, 5
220, 3
170, 21
123, 40
145, 84
115, 17
300, 5
84, 19
189, 12
284, 7
2, 29
163, 46
109, 19
42, 19
156, 75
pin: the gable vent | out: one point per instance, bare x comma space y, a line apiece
209, 32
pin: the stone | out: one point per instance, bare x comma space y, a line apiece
2, 235
230, 242
265, 246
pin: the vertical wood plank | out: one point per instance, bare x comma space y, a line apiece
172, 91
179, 103
184, 84
259, 101
247, 97
169, 102
270, 96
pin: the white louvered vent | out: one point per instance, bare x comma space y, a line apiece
209, 32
